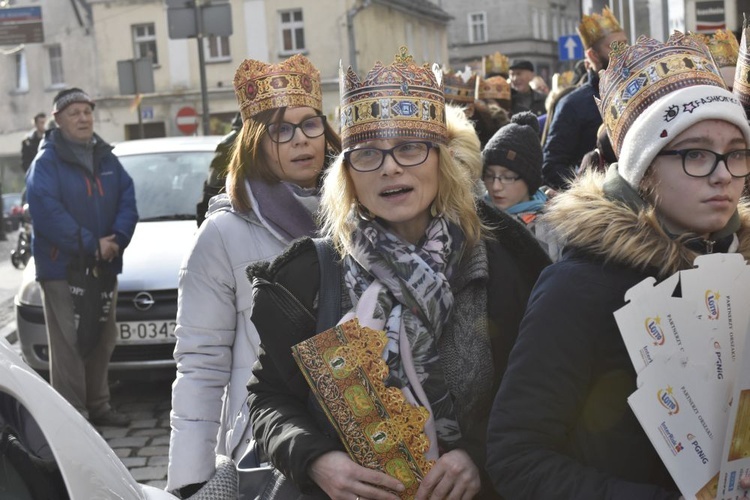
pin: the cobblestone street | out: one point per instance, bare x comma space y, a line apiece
143, 446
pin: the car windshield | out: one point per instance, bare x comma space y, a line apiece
168, 185
11, 199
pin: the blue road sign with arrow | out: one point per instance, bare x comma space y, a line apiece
570, 48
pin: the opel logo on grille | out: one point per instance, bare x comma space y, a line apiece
143, 301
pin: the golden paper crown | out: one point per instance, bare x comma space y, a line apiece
460, 87
562, 80
261, 86
724, 47
495, 87
741, 87
595, 27
640, 74
402, 99
496, 64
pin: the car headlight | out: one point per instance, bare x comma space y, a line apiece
30, 294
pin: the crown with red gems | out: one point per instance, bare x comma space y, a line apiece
402, 99
638, 75
460, 87
261, 86
596, 26
494, 87
496, 64
741, 86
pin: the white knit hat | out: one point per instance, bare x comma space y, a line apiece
667, 118
651, 92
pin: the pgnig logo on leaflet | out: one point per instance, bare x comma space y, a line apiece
674, 446
712, 304
653, 328
697, 447
668, 401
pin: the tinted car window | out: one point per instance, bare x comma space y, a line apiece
167, 185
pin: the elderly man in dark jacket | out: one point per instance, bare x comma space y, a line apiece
82, 202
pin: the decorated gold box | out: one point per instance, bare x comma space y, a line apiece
379, 428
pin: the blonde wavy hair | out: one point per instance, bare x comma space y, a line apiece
460, 165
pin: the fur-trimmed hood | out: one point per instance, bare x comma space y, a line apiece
589, 220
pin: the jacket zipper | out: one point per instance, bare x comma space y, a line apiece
709, 246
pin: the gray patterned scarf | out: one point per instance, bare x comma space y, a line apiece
414, 303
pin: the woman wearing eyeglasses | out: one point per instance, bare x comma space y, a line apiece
272, 198
447, 285
561, 427
512, 175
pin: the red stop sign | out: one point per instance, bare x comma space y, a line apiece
187, 120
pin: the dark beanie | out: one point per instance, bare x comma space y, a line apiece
516, 146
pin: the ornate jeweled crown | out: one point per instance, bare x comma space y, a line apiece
723, 46
261, 86
402, 99
495, 87
640, 74
460, 87
741, 86
496, 64
596, 26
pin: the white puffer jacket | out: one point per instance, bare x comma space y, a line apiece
216, 342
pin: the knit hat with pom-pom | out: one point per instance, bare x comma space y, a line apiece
516, 146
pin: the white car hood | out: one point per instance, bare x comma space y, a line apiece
152, 260
88, 465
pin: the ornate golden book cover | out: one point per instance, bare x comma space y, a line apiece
380, 429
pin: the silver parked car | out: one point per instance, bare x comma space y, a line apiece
168, 175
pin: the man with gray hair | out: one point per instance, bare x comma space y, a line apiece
82, 203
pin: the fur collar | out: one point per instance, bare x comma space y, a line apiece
589, 222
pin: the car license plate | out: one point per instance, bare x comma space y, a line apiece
146, 332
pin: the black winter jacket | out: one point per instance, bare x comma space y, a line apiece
561, 426
287, 421
571, 134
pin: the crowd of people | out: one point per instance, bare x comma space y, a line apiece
487, 225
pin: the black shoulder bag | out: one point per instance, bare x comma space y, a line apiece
92, 289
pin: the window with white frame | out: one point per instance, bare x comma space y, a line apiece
56, 78
544, 21
292, 29
217, 48
477, 27
22, 72
536, 28
144, 42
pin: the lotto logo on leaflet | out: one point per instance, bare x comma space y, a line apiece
653, 328
668, 401
712, 304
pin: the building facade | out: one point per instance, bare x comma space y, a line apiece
525, 29
94, 35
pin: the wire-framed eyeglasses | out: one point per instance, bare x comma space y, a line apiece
703, 162
406, 154
284, 131
507, 180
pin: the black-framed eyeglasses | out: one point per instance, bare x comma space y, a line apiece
284, 131
406, 154
703, 162
490, 178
